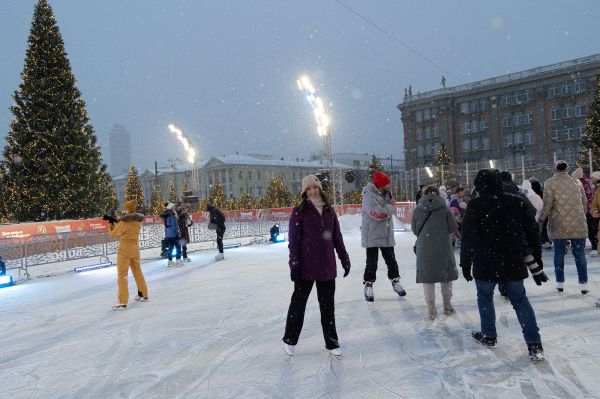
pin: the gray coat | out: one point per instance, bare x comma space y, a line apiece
435, 256
377, 228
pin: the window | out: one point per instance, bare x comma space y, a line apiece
466, 145
420, 150
258, 175
464, 108
566, 88
569, 155
426, 114
483, 104
519, 138
483, 125
528, 139
569, 133
428, 132
553, 91
436, 148
579, 131
467, 128
519, 98
517, 118
528, 118
434, 113
436, 131
567, 111
555, 112
508, 140
474, 126
223, 174
528, 94
555, 134
419, 116
475, 144
579, 86
485, 143
506, 121
419, 133
580, 110
508, 161
240, 175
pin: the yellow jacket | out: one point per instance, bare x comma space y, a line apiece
128, 231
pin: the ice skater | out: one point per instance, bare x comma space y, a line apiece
377, 233
172, 235
127, 229
185, 222
217, 223
314, 233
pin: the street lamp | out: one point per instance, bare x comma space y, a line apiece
191, 155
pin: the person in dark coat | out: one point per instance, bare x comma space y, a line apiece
217, 217
172, 234
314, 234
185, 222
493, 230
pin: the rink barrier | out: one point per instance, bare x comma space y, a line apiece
32, 244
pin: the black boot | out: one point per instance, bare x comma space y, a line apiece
483, 340
536, 352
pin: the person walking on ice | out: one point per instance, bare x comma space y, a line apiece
314, 233
127, 229
377, 233
433, 223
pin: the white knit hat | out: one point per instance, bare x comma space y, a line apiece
310, 180
170, 206
577, 173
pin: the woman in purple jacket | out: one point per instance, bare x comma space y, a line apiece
314, 233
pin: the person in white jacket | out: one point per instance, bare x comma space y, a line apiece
536, 200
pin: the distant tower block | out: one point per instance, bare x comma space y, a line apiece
120, 150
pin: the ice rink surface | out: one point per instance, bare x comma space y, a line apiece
212, 330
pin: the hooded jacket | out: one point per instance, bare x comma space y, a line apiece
216, 216
127, 229
312, 240
435, 256
493, 230
565, 205
171, 225
377, 228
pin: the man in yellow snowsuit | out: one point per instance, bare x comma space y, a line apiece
127, 229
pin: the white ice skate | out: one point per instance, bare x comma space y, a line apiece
138, 298
288, 349
119, 306
369, 295
398, 287
220, 257
179, 262
337, 352
171, 264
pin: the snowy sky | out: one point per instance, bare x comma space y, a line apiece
225, 71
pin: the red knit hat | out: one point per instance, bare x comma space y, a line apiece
380, 179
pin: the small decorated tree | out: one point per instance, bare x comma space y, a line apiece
374, 166
133, 189
172, 193
591, 139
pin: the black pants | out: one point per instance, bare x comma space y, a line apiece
390, 261
173, 243
545, 238
592, 230
184, 250
164, 244
220, 234
295, 317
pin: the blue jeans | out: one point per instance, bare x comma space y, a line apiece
578, 248
518, 299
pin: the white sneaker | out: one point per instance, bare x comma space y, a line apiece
398, 287
179, 262
119, 306
337, 352
288, 349
170, 264
220, 257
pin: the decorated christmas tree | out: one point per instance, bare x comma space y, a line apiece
172, 193
353, 196
277, 195
444, 169
374, 166
185, 188
202, 205
217, 197
108, 195
296, 199
133, 189
52, 165
232, 204
246, 202
156, 204
591, 140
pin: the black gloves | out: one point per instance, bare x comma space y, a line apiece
295, 274
536, 268
467, 273
346, 270
111, 219
540, 278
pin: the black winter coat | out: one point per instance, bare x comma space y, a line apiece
217, 217
493, 231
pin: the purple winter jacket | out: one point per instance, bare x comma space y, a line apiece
312, 238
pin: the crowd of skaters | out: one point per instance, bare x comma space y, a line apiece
498, 227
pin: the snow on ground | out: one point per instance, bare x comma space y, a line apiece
212, 330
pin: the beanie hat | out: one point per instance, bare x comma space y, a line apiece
505, 175
310, 180
595, 175
443, 192
130, 206
170, 206
526, 185
577, 173
380, 179
561, 165
488, 181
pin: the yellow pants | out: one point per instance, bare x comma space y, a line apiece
124, 262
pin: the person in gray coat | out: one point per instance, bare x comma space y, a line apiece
433, 224
377, 233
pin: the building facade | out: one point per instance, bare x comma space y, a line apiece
523, 121
120, 150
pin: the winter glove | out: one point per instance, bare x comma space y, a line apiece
540, 278
346, 270
536, 268
111, 219
467, 273
295, 274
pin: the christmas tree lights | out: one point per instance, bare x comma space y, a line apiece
591, 139
133, 189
